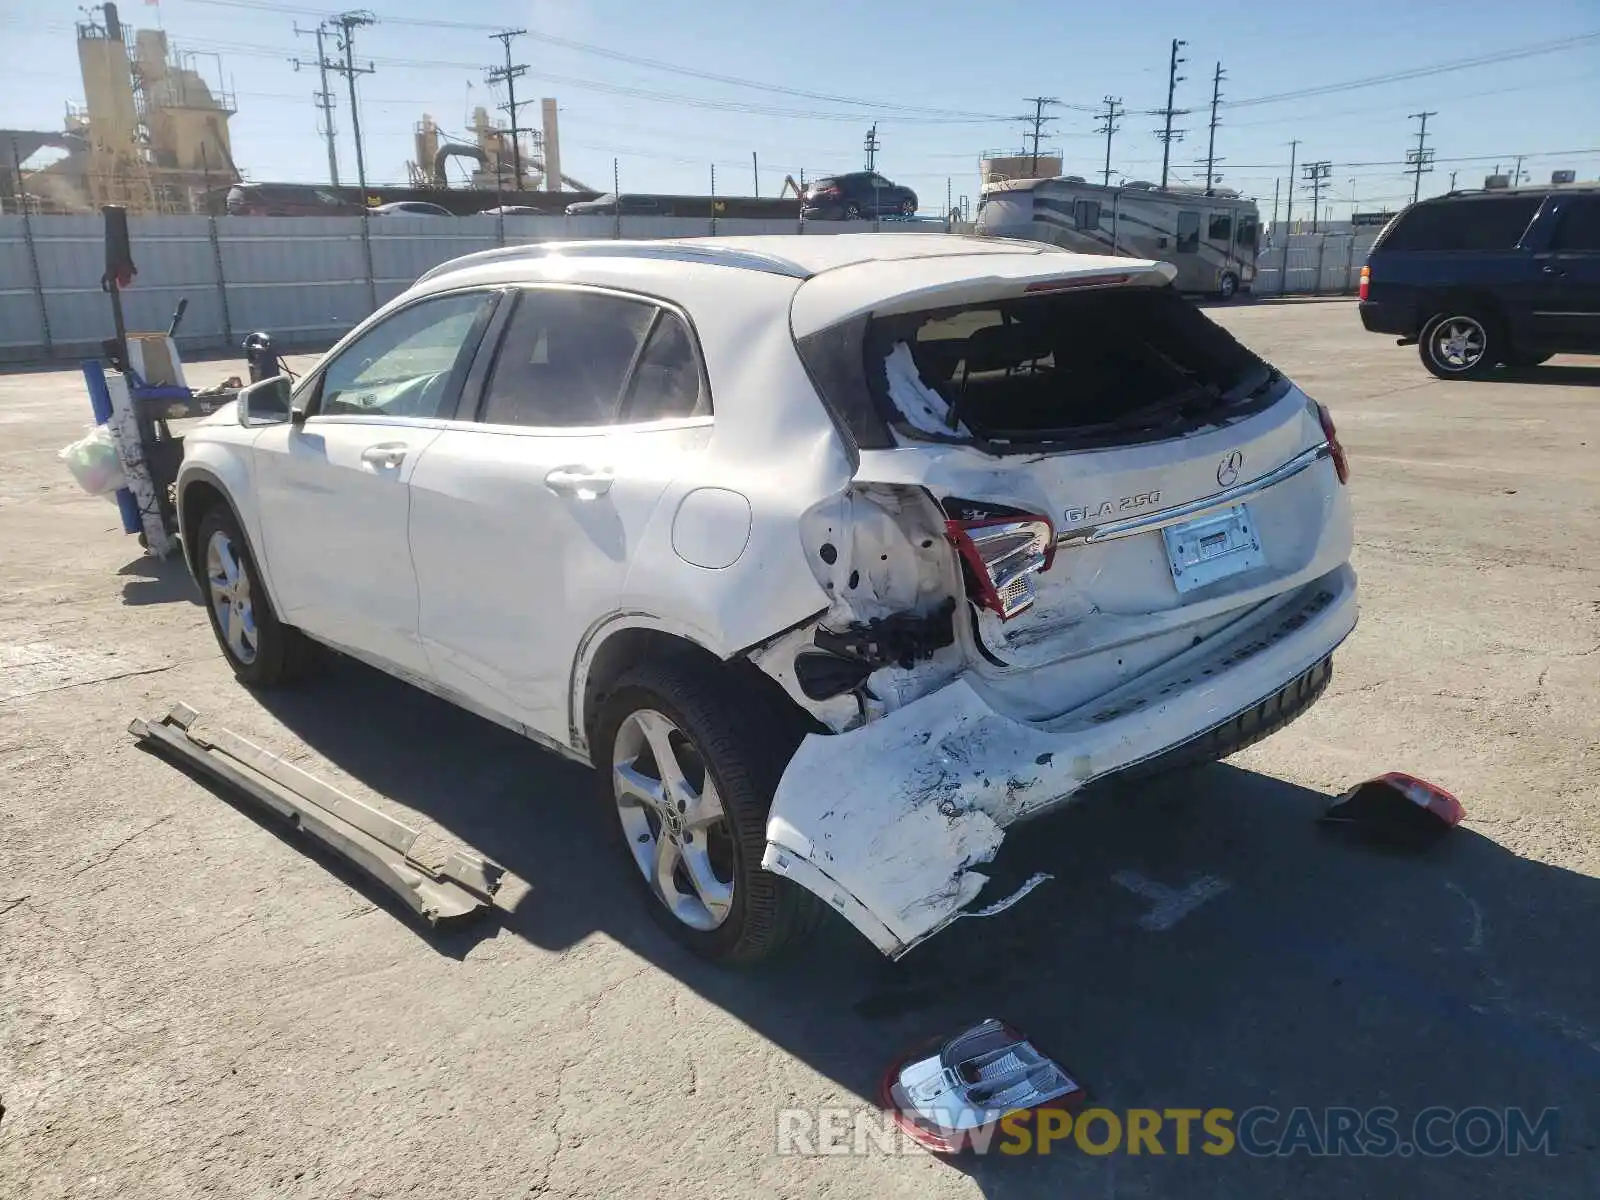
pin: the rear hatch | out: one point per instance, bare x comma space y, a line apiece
1120, 477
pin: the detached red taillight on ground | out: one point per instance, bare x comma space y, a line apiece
1398, 809
1366, 282
1003, 554
1341, 464
951, 1093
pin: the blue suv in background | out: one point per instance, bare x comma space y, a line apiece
1480, 279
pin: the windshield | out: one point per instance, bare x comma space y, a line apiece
1118, 364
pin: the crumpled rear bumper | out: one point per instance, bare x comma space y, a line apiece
890, 822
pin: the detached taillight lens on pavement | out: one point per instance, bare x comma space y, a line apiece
950, 1091
1004, 554
1340, 463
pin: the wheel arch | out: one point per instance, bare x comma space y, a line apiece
200, 488
616, 643
1464, 299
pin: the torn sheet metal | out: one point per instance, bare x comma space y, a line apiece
370, 839
896, 845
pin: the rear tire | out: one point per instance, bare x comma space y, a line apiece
908, 208
260, 648
1228, 285
852, 211
1460, 343
712, 896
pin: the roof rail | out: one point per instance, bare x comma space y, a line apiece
707, 255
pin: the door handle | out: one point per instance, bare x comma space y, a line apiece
583, 482
1549, 269
385, 455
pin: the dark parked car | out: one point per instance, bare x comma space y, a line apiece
607, 205
1480, 279
287, 200
859, 194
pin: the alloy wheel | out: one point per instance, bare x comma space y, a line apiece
673, 818
228, 582
1457, 343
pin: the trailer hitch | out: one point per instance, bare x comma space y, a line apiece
358, 833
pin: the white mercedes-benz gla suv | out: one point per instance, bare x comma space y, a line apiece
837, 557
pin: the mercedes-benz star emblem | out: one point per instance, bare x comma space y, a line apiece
1228, 469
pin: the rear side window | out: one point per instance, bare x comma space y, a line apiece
666, 380
564, 357
1495, 223
1086, 214
1091, 367
1580, 225
1188, 233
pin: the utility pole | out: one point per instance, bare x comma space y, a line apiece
509, 74
1516, 173
1275, 183
1038, 122
1211, 141
1453, 180
1167, 133
1420, 160
1315, 174
872, 145
347, 23
1288, 203
755, 171
324, 101
1108, 126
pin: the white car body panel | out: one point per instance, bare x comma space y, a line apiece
334, 529
493, 563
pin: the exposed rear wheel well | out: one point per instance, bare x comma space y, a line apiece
628, 647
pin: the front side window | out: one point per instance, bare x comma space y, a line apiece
1188, 233
564, 358
1580, 225
1249, 231
1221, 228
402, 367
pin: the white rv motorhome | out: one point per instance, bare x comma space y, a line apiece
1210, 237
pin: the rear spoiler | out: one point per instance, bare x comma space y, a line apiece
946, 281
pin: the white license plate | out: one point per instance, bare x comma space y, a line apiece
1212, 547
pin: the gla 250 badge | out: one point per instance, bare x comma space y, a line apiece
1109, 508
1227, 475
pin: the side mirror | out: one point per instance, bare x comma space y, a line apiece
265, 403
297, 411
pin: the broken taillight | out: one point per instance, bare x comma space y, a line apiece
1003, 555
1340, 463
947, 1095
1366, 282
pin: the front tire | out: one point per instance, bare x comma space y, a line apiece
1228, 285
852, 211
687, 765
260, 648
1460, 344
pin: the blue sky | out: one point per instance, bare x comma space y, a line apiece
949, 71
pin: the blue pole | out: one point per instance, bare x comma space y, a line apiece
94, 378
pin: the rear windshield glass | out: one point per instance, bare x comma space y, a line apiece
1088, 367
1490, 224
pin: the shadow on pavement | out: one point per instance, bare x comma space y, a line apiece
149, 580
1322, 973
1551, 374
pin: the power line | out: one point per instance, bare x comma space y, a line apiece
1420, 160
509, 74
1167, 133
1108, 126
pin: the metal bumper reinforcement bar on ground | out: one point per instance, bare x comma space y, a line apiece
360, 834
